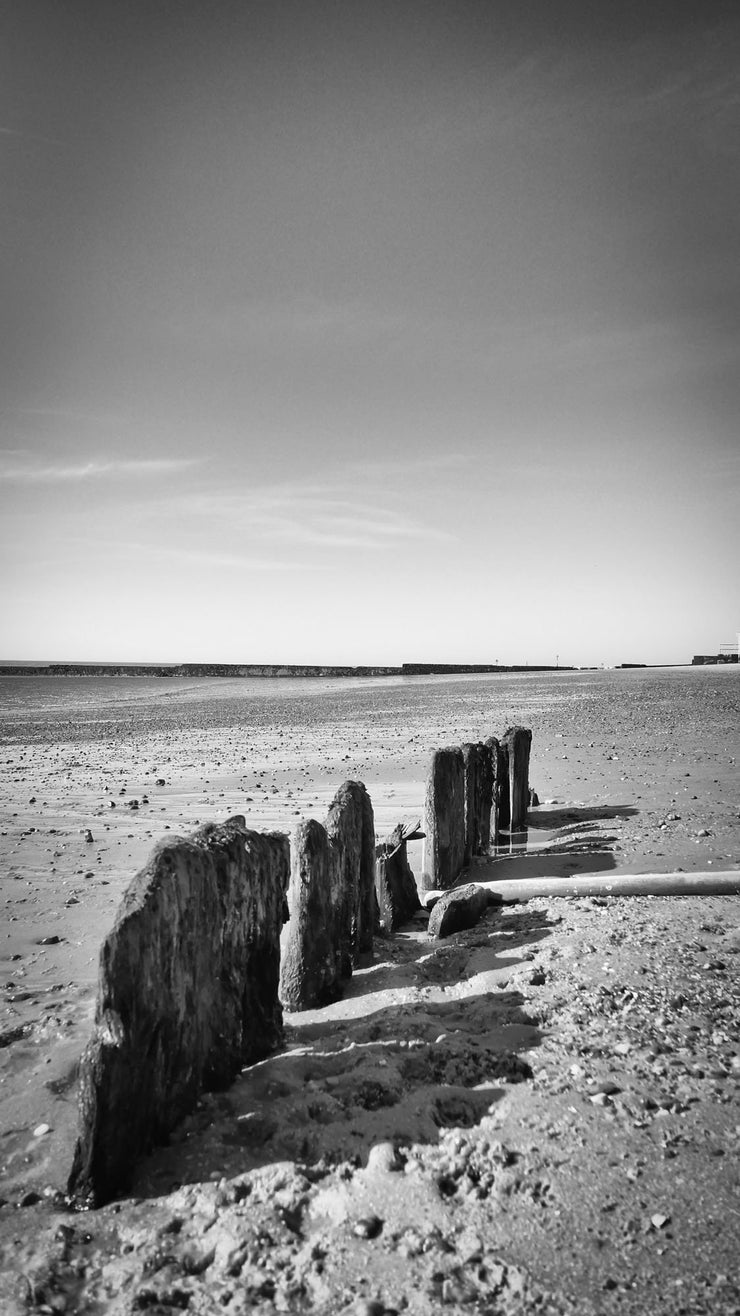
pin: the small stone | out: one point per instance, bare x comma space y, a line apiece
469, 1246
41, 1129
659, 1221
89, 836
30, 1199
382, 1159
458, 1291
49, 941
368, 1226
458, 909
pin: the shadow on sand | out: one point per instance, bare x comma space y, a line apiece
558, 862
556, 843
552, 819
397, 1072
408, 961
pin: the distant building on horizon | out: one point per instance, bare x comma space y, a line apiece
728, 653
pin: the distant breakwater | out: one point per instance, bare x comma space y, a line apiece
262, 669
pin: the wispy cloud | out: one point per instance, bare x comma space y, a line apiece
357, 509
301, 322
66, 413
675, 82
313, 518
31, 137
224, 523
406, 472
14, 472
139, 551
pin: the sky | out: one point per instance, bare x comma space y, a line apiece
379, 332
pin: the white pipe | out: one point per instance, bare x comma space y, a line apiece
720, 883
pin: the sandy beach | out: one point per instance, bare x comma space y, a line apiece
469, 1044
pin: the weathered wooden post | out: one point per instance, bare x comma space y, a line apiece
395, 885
500, 802
478, 762
187, 995
518, 741
444, 820
350, 826
331, 900
310, 970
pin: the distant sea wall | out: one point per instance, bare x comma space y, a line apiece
259, 669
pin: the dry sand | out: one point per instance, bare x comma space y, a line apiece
507, 1175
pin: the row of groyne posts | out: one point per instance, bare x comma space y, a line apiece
221, 930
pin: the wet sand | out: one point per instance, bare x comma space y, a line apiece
636, 771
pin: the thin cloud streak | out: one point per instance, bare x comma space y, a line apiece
551, 94
31, 137
308, 516
311, 323
199, 557
95, 470
478, 343
65, 413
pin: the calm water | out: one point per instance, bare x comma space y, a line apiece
54, 709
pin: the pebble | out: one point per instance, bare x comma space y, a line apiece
382, 1159
469, 1246
41, 1129
368, 1226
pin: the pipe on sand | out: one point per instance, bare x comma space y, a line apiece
509, 891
